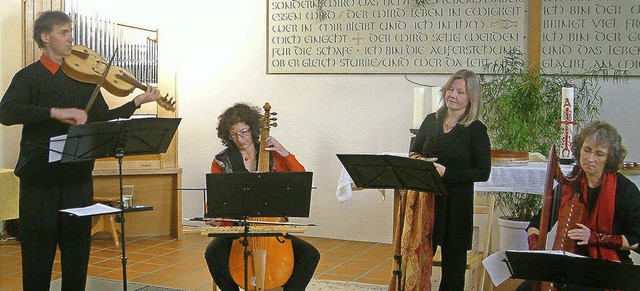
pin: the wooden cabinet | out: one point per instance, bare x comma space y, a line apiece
9, 194
157, 188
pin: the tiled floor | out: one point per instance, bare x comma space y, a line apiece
180, 264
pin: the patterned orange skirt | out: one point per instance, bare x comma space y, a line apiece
412, 239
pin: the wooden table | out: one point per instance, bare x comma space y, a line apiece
9, 194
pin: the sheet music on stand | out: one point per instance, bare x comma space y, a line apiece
95, 209
499, 270
56, 146
563, 268
131, 137
268, 194
393, 172
100, 209
118, 139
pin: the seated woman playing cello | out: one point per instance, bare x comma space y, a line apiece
239, 129
612, 225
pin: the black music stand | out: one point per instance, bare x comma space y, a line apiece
393, 172
259, 194
118, 139
267, 194
572, 270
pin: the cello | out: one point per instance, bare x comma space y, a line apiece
85, 65
568, 213
271, 261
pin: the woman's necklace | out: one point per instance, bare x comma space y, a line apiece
246, 155
448, 127
249, 163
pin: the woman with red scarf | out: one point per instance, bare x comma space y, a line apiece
612, 228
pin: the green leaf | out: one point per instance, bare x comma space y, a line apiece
522, 106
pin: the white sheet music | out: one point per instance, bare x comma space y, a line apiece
94, 209
344, 191
56, 145
496, 263
497, 268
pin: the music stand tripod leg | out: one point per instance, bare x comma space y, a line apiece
398, 257
120, 156
247, 253
204, 203
398, 272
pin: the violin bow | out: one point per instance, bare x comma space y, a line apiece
96, 90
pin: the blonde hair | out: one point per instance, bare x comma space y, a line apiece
474, 95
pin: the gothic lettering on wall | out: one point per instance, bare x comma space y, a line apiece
391, 36
442, 36
583, 35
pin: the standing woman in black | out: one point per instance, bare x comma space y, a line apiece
457, 142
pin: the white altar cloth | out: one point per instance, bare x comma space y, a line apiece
527, 178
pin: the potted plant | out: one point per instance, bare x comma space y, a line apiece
518, 209
522, 107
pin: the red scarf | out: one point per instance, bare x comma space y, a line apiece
601, 219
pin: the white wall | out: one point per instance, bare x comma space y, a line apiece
10, 62
221, 59
621, 108
319, 115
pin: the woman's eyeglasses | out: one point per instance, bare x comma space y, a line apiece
243, 134
600, 155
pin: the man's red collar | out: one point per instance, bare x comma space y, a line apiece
49, 64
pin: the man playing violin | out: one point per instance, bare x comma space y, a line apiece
46, 102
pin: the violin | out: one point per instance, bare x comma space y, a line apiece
85, 65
